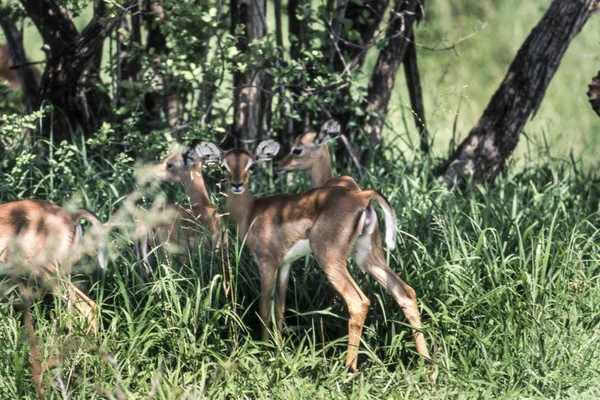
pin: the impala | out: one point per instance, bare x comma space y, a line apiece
44, 240
186, 228
310, 153
328, 221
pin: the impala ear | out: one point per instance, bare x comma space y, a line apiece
329, 131
266, 150
209, 152
189, 155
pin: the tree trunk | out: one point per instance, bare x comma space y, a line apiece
594, 94
347, 52
298, 32
247, 84
28, 77
129, 63
365, 18
69, 53
413, 82
483, 153
153, 15
384, 74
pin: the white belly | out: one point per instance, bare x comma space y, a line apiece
300, 249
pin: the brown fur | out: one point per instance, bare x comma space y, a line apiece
190, 226
314, 157
36, 237
331, 219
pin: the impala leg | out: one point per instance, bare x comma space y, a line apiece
84, 306
283, 277
73, 297
268, 274
356, 301
369, 256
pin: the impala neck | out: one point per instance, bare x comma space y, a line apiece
321, 169
194, 184
239, 206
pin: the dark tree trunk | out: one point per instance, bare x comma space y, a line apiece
69, 54
96, 61
482, 155
297, 29
284, 136
366, 17
130, 67
25, 72
413, 81
594, 94
400, 28
247, 84
155, 40
298, 33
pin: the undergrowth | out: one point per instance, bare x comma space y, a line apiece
506, 277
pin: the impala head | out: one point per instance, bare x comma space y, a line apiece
308, 147
180, 162
238, 164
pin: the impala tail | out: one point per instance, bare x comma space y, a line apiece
391, 230
145, 249
97, 225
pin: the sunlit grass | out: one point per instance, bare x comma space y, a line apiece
507, 280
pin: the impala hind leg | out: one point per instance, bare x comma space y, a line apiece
368, 253
334, 265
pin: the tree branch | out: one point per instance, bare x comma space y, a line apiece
413, 81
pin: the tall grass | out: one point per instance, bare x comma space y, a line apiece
507, 280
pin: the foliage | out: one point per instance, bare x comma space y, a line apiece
506, 278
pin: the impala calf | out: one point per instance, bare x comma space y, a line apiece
187, 227
310, 153
44, 240
280, 229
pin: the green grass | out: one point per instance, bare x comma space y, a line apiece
471, 74
507, 280
507, 276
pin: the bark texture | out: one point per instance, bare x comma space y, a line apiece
483, 154
594, 94
155, 41
299, 34
69, 53
365, 17
247, 84
413, 82
399, 30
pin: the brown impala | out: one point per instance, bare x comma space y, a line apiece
328, 221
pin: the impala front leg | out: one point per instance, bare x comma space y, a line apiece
268, 273
283, 277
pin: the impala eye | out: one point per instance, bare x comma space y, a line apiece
251, 168
297, 152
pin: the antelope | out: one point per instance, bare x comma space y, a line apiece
46, 240
310, 152
331, 222
186, 227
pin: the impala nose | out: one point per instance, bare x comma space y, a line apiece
279, 169
237, 187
